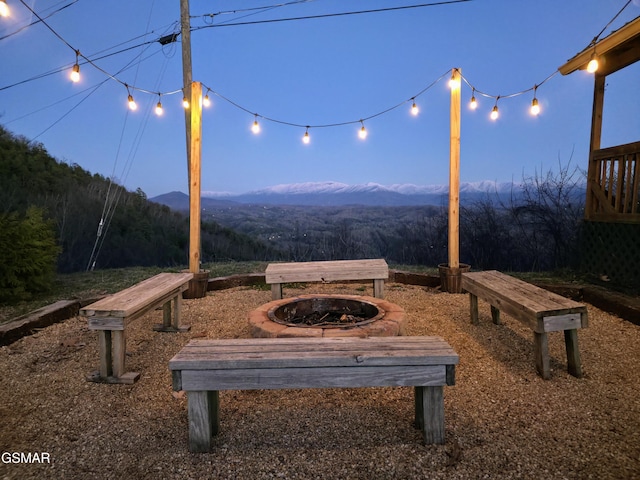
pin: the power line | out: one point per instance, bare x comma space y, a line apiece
329, 15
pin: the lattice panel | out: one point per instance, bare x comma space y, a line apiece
611, 250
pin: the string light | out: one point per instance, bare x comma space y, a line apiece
255, 128
75, 71
494, 113
473, 104
159, 110
594, 63
4, 8
206, 101
306, 139
535, 107
185, 102
363, 131
130, 100
414, 108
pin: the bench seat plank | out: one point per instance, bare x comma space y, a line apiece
203, 354
523, 301
204, 367
328, 271
131, 300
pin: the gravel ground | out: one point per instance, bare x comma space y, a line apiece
502, 420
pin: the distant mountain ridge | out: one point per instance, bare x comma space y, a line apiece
337, 194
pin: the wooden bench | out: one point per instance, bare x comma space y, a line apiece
543, 311
204, 367
112, 314
375, 269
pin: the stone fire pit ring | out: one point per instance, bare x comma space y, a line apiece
390, 320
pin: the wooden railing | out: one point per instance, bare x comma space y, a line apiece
613, 184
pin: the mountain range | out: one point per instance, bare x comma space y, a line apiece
336, 194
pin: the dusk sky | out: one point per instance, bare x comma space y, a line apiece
336, 69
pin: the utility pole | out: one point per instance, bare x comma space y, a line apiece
192, 91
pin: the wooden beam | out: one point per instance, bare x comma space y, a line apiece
194, 177
454, 171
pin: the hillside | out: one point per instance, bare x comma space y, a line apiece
99, 223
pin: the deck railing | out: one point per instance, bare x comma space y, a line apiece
613, 184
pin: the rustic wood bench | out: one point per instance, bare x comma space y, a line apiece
204, 367
373, 269
110, 316
543, 311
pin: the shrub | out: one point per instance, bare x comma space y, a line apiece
28, 255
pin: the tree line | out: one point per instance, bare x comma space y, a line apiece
536, 228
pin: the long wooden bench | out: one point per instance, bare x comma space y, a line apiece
204, 367
111, 315
330, 271
543, 311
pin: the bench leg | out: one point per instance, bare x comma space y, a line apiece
495, 315
378, 288
203, 409
573, 353
541, 352
171, 319
429, 402
104, 352
276, 291
112, 352
473, 308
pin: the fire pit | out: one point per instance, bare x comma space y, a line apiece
327, 316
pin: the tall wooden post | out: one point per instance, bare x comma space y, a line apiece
454, 171
195, 149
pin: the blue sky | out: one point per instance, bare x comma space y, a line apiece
311, 72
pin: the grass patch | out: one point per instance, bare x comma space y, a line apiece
100, 282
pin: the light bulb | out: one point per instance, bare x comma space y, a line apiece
454, 83
363, 132
255, 128
132, 103
535, 107
159, 110
4, 8
593, 64
75, 73
494, 113
414, 109
473, 104
306, 139
185, 102
206, 101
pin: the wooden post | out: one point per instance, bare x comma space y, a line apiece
195, 149
594, 144
454, 171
